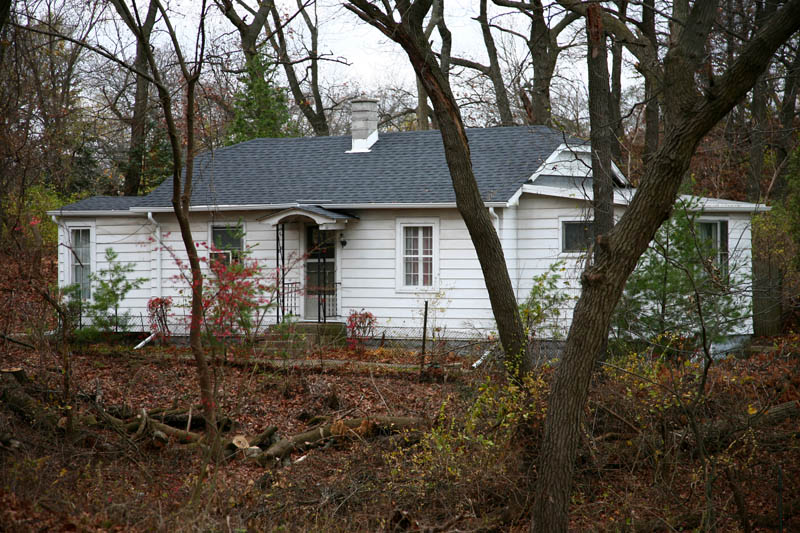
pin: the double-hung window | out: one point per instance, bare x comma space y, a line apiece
418, 254
81, 260
227, 243
714, 236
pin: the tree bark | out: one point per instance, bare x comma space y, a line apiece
493, 72
409, 34
691, 115
182, 186
136, 149
313, 108
361, 427
602, 124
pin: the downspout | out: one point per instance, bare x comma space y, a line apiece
66, 236
495, 220
158, 272
158, 249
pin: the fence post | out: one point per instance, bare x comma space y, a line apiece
424, 337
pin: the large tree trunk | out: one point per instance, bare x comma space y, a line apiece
494, 72
410, 35
692, 115
133, 174
602, 124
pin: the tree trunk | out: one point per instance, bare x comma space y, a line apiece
410, 35
138, 141
602, 124
182, 189
312, 108
692, 115
494, 72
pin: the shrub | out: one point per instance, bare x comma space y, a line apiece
541, 310
158, 310
360, 327
112, 285
683, 289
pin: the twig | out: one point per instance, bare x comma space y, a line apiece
15, 341
372, 378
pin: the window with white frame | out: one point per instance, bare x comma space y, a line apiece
81, 260
227, 243
714, 234
418, 254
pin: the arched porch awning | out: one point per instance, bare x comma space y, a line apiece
324, 218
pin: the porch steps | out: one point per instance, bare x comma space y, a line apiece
293, 338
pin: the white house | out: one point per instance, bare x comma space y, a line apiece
386, 207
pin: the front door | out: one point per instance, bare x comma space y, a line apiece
320, 282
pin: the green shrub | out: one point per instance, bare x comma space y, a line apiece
112, 284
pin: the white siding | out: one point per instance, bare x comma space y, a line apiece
367, 265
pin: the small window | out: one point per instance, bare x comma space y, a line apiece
81, 263
714, 236
227, 244
418, 256
576, 236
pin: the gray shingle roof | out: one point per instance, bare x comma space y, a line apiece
405, 167
104, 203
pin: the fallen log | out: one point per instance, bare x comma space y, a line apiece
13, 394
265, 439
181, 418
355, 428
143, 420
719, 434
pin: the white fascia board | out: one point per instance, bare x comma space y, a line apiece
442, 205
276, 218
620, 197
514, 200
107, 213
718, 205
623, 197
242, 207
548, 162
261, 207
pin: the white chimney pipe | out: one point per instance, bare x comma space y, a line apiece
364, 124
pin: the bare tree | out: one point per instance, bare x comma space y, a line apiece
312, 106
542, 43
691, 110
138, 122
492, 70
404, 23
182, 173
602, 125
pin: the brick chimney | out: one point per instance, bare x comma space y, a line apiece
364, 124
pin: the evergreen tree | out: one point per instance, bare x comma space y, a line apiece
260, 107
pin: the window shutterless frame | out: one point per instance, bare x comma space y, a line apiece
226, 241
417, 253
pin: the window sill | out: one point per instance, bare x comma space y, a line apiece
416, 290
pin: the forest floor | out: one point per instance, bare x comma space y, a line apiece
469, 466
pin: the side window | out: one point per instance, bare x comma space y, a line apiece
81, 260
575, 236
227, 243
714, 235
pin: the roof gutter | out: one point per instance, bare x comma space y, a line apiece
261, 207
